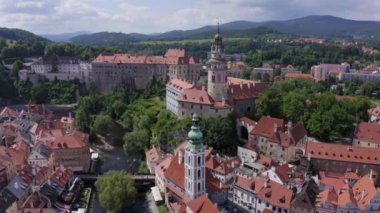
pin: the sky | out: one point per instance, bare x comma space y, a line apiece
154, 16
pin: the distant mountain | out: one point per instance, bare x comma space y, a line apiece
63, 36
18, 34
106, 38
324, 26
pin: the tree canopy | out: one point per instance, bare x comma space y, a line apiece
115, 188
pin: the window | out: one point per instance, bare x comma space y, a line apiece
199, 160
199, 187
213, 79
199, 174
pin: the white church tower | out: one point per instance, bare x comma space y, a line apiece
195, 177
217, 86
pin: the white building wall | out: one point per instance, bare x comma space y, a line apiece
246, 155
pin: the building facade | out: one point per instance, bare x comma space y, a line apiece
222, 94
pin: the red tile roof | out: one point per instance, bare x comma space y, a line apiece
268, 211
248, 121
346, 198
179, 85
195, 95
8, 112
202, 204
344, 153
74, 140
368, 132
292, 75
265, 126
242, 89
176, 172
267, 190
175, 53
364, 191
266, 161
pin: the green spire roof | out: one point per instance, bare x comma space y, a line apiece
195, 134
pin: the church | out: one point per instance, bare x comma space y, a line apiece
189, 181
220, 96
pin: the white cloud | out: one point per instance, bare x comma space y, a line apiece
30, 4
55, 16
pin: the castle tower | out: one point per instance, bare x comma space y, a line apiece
195, 177
217, 86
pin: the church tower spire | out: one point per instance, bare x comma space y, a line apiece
217, 86
195, 177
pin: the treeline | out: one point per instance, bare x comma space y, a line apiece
325, 116
304, 55
12, 50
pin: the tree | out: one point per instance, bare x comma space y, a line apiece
219, 133
266, 77
136, 141
294, 106
39, 93
102, 124
115, 187
16, 67
119, 108
246, 73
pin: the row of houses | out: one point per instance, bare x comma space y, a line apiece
38, 155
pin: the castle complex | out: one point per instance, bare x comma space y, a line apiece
222, 94
129, 71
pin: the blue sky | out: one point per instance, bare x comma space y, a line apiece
151, 16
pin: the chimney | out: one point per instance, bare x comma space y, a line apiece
223, 102
290, 126
241, 84
220, 185
70, 115
16, 186
249, 85
308, 156
275, 127
62, 168
180, 157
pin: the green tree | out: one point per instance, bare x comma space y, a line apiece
16, 67
39, 93
115, 188
293, 106
136, 141
103, 124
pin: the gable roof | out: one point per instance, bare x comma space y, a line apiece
364, 191
265, 126
308, 195
202, 204
298, 132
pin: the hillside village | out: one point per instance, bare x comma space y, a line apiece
278, 166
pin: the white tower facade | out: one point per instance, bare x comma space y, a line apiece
217, 86
195, 177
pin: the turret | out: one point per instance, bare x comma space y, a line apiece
217, 74
195, 177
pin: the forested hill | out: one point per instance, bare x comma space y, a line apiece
324, 26
109, 38
18, 34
